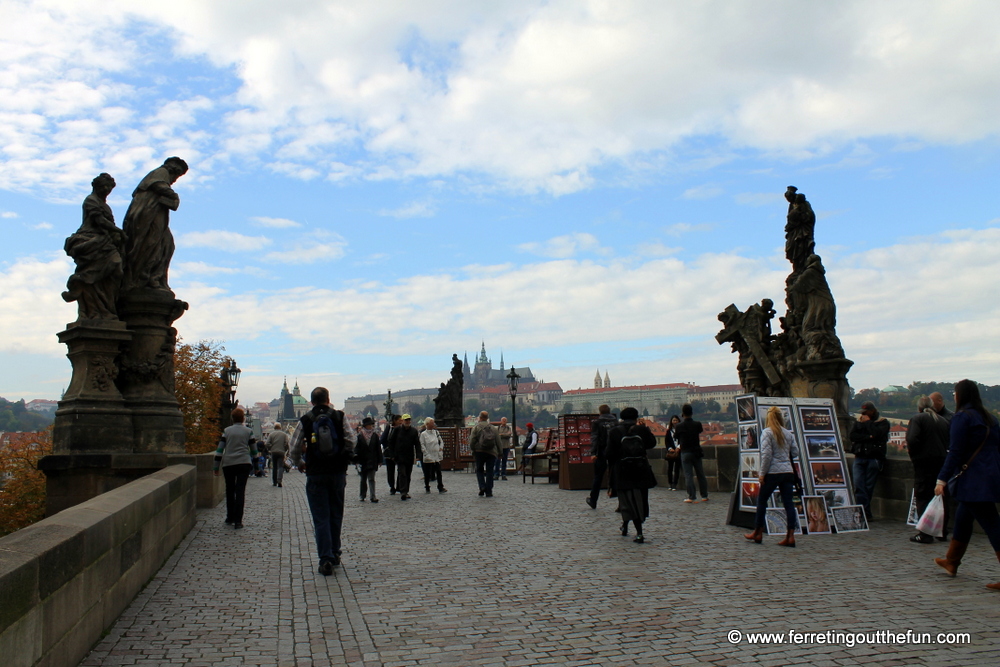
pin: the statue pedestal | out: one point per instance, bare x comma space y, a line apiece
92, 414
147, 370
825, 378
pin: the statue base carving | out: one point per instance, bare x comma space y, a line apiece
92, 414
74, 478
825, 378
147, 369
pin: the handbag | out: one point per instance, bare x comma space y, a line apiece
953, 482
932, 520
673, 454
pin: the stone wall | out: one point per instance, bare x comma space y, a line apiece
721, 465
67, 578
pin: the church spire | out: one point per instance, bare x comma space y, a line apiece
501, 358
597, 379
607, 381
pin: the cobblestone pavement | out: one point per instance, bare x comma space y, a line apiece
532, 576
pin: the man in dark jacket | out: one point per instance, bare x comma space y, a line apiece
405, 446
686, 435
326, 474
870, 439
927, 444
600, 428
368, 457
390, 463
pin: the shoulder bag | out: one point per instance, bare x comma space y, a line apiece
953, 482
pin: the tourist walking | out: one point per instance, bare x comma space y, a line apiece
870, 439
328, 449
777, 471
432, 447
500, 471
673, 455
927, 445
390, 462
277, 444
235, 455
971, 473
633, 476
600, 430
368, 457
405, 446
485, 445
686, 435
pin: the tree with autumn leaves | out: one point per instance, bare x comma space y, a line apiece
197, 370
22, 484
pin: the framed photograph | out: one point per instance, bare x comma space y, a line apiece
816, 419
786, 413
745, 409
749, 466
817, 519
822, 446
749, 436
777, 522
850, 519
827, 473
912, 516
749, 491
835, 497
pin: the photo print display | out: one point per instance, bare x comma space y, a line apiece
777, 522
786, 414
817, 520
835, 497
827, 473
749, 437
822, 446
749, 491
850, 519
744, 409
750, 465
816, 419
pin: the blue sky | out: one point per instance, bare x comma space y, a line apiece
584, 185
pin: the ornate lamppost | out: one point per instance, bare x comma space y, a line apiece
229, 378
512, 379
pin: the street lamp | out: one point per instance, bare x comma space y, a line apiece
512, 379
229, 378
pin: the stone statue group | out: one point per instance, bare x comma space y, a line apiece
111, 261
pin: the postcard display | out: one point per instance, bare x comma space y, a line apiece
827, 503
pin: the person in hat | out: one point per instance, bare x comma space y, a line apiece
632, 476
870, 440
368, 457
405, 445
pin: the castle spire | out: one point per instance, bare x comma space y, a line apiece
597, 379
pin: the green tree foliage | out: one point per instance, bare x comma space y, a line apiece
902, 405
15, 416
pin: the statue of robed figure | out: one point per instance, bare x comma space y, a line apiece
150, 245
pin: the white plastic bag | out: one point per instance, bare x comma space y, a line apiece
932, 520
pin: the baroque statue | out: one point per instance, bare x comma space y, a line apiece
448, 403
150, 245
97, 248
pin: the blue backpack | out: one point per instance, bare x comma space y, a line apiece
324, 435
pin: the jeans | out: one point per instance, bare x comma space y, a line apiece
786, 482
692, 465
484, 471
325, 494
865, 473
277, 468
985, 514
432, 472
236, 490
368, 483
600, 467
501, 467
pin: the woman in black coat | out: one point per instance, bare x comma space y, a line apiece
630, 470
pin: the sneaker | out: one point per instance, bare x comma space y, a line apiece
326, 568
689, 500
672, 488
442, 490
639, 539
374, 500
361, 499
591, 503
704, 500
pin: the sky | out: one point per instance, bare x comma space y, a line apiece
580, 185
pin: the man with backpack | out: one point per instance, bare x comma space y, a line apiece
329, 448
599, 430
485, 445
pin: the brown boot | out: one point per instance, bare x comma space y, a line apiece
789, 540
995, 587
953, 558
757, 535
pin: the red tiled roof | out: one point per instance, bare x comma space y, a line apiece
675, 385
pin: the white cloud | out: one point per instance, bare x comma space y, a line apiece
531, 94
417, 209
333, 247
42, 226
706, 191
219, 239
7, 214
759, 198
565, 246
681, 228
278, 223
31, 298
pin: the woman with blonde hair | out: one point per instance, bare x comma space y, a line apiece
777, 455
